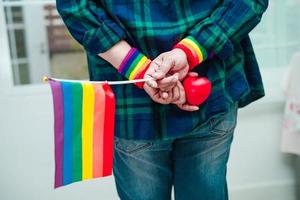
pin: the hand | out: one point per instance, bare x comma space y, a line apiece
157, 96
176, 95
173, 62
182, 102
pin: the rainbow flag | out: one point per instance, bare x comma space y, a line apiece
83, 130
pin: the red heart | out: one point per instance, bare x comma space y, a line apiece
197, 89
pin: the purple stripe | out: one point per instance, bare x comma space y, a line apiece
58, 130
127, 57
129, 63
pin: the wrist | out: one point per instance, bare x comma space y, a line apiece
116, 53
195, 53
134, 65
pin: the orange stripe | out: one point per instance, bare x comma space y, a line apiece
98, 130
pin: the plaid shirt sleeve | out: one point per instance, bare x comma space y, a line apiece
90, 25
228, 23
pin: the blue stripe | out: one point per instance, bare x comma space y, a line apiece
131, 59
68, 130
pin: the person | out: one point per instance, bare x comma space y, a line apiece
161, 141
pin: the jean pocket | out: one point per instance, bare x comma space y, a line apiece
131, 146
225, 123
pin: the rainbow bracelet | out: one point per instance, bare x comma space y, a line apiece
134, 66
195, 53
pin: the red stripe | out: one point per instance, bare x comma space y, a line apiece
109, 125
189, 54
140, 75
98, 130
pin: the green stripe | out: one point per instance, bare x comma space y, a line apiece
163, 121
203, 51
133, 111
133, 65
135, 100
77, 140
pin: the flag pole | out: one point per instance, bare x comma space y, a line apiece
46, 79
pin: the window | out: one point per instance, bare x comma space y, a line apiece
40, 44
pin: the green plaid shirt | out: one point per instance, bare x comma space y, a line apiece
154, 26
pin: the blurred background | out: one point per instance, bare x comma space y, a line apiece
34, 42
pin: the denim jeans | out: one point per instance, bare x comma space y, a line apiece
195, 164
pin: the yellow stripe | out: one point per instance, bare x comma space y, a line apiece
144, 66
194, 46
138, 66
87, 130
198, 50
185, 43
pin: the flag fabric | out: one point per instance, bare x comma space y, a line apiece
83, 130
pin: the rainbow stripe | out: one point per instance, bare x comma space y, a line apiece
83, 130
196, 54
134, 64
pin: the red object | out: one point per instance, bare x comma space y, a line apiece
193, 62
197, 89
109, 125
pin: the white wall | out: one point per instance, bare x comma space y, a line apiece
257, 170
26, 153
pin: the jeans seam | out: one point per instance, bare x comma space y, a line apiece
139, 149
218, 131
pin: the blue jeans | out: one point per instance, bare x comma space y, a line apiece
195, 164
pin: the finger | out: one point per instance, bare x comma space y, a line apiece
164, 68
152, 82
182, 98
176, 95
188, 107
157, 61
164, 100
153, 67
154, 95
151, 91
164, 94
193, 74
168, 82
169, 98
148, 75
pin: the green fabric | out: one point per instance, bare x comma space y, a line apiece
77, 139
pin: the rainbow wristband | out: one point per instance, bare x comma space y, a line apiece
134, 66
195, 53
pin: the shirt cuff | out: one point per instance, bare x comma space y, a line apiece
99, 40
212, 37
195, 53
